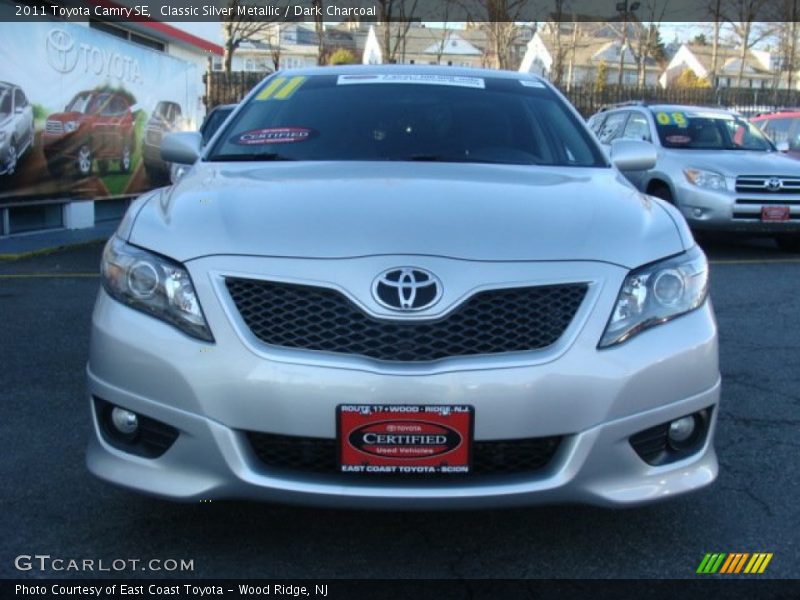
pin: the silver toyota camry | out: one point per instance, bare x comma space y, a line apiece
404, 287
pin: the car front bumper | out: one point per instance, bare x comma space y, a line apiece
709, 210
214, 393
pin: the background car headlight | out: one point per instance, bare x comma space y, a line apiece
655, 293
706, 179
70, 126
154, 285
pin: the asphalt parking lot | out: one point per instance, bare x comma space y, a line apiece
52, 505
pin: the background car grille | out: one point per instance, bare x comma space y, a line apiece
321, 319
319, 455
54, 127
757, 184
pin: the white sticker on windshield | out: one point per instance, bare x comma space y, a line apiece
531, 83
413, 78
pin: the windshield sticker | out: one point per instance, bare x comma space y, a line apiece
273, 135
678, 139
675, 118
531, 83
413, 78
280, 89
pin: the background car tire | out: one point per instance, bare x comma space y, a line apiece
83, 161
126, 158
788, 243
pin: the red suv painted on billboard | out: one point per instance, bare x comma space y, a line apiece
95, 126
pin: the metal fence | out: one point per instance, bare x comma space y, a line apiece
229, 88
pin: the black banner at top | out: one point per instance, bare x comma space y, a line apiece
440, 11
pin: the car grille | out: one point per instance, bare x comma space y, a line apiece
322, 319
758, 184
319, 455
54, 127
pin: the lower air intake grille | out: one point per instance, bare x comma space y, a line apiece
318, 455
322, 319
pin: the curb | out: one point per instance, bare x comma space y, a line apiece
12, 256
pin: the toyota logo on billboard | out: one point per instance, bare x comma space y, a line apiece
61, 51
407, 289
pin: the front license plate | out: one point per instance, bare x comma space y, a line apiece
404, 439
770, 214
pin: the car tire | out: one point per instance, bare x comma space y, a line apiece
11, 158
662, 191
126, 157
83, 161
788, 243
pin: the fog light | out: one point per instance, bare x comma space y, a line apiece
682, 430
125, 421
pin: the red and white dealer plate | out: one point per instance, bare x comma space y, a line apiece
771, 214
404, 439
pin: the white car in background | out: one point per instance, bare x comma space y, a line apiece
16, 126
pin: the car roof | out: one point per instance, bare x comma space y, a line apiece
412, 69
781, 114
690, 108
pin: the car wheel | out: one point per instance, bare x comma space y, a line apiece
11, 158
125, 159
662, 191
84, 161
788, 243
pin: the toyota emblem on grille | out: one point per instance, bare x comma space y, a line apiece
407, 288
774, 184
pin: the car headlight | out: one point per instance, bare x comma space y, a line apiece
706, 179
154, 285
70, 126
656, 293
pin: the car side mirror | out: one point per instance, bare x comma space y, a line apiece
632, 155
182, 147
19, 110
782, 146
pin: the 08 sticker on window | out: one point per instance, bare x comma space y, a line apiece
674, 118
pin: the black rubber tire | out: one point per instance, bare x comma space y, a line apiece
661, 191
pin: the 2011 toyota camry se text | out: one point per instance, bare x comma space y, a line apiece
404, 287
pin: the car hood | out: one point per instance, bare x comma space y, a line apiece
738, 162
349, 209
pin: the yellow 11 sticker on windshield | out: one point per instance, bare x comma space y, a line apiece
676, 118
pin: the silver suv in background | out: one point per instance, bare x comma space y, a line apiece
720, 170
16, 126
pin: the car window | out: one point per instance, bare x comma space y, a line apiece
101, 104
637, 128
408, 117
778, 130
5, 102
709, 131
596, 122
19, 99
612, 127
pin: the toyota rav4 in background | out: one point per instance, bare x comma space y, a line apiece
166, 118
94, 126
16, 126
404, 287
716, 167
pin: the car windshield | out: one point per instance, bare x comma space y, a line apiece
407, 116
88, 103
5, 102
708, 131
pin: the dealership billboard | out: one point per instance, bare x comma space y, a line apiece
82, 112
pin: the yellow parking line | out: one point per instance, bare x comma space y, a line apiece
48, 275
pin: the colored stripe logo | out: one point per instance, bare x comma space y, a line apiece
734, 563
280, 89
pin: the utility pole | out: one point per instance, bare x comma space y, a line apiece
623, 8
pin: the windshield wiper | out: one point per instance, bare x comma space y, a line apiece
253, 156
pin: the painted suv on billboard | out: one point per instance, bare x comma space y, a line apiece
94, 126
166, 118
16, 126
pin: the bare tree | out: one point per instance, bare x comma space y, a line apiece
647, 38
498, 20
397, 17
715, 12
786, 32
274, 37
237, 29
319, 29
747, 29
445, 33
559, 51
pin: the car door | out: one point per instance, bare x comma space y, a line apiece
637, 127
